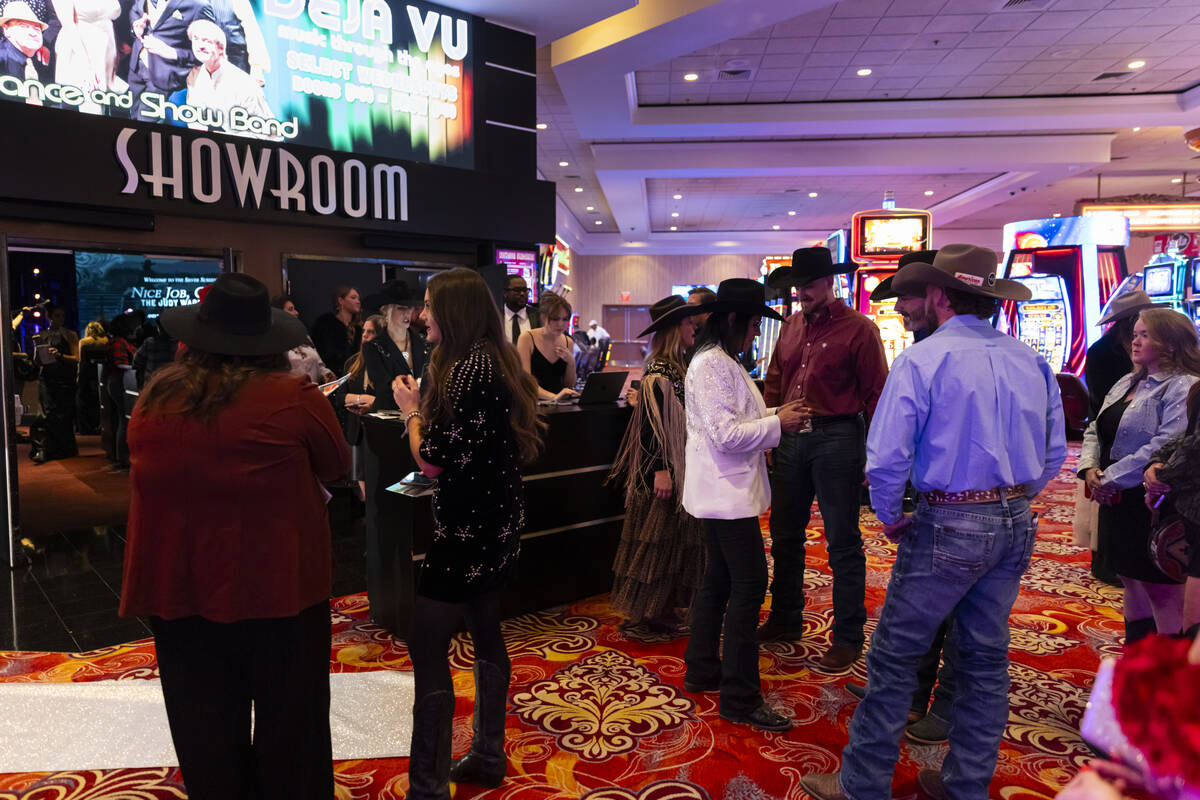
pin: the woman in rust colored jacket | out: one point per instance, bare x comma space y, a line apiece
228, 548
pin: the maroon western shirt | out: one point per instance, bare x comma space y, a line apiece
227, 519
833, 359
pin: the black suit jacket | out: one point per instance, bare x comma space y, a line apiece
384, 362
1107, 362
12, 62
162, 75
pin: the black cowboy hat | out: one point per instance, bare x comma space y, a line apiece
667, 312
740, 296
235, 318
395, 292
964, 267
884, 290
808, 264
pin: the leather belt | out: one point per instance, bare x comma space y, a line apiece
833, 419
939, 498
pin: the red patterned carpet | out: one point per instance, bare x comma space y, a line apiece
597, 714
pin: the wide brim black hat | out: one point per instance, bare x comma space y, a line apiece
395, 292
235, 318
884, 290
669, 311
740, 296
808, 265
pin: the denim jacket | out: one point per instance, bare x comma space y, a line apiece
1157, 414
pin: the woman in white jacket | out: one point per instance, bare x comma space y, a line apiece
729, 428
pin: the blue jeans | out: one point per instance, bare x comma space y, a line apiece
722, 645
964, 562
827, 464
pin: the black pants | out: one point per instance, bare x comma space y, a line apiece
436, 622
114, 387
827, 464
726, 607
57, 395
213, 672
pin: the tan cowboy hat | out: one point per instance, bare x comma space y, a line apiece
19, 10
1128, 304
963, 267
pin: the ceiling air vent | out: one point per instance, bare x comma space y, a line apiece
1111, 76
735, 74
1024, 5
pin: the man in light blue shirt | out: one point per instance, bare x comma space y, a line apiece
973, 417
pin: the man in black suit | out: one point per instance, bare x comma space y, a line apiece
162, 52
22, 39
519, 316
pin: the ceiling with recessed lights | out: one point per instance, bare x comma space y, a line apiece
1001, 114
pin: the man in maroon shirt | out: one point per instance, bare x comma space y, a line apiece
831, 358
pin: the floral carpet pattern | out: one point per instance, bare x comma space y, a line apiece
598, 712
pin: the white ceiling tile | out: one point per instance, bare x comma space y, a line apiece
789, 45
896, 83
1031, 36
736, 47
938, 82
1018, 53
925, 94
1113, 51
848, 26
784, 61
767, 97
1162, 49
690, 63
1087, 36
898, 42
1060, 20
1178, 15
861, 8
908, 70
1191, 33
1007, 21
1142, 33
818, 73
811, 85
839, 44
921, 57
1040, 68
771, 86
996, 68
954, 23
829, 59
1116, 18
788, 75
900, 25
900, 7
649, 77
991, 38
1072, 5
979, 81
1181, 63
805, 97
876, 58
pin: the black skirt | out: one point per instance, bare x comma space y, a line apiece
1124, 532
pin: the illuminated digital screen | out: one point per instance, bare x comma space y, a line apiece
682, 289
1150, 217
523, 263
892, 236
109, 284
1157, 280
364, 76
1195, 267
1047, 287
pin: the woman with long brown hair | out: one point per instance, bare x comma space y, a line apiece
548, 353
473, 428
660, 559
228, 550
1141, 413
336, 332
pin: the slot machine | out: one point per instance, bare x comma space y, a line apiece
1085, 259
878, 238
1165, 280
843, 285
523, 263
1192, 303
779, 300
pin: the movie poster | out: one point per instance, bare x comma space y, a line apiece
360, 76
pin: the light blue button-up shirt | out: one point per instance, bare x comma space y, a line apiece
967, 408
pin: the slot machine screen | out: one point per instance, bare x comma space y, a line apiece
1195, 276
1157, 280
1042, 321
881, 236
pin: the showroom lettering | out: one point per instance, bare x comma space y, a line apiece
202, 168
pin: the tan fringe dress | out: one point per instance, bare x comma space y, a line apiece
660, 559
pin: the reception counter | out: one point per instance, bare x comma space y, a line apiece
573, 520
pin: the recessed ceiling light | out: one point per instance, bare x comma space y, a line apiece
812, 194
791, 213
864, 72
1137, 64
1135, 130
725, 243
674, 227
691, 76
599, 222
541, 126
774, 227
674, 213
564, 163
591, 208
678, 197
1176, 180
929, 192
1057, 215
579, 188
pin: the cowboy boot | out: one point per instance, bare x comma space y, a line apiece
485, 763
429, 753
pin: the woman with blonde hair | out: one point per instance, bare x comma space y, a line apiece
547, 353
660, 559
1141, 413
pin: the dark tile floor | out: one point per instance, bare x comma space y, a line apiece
66, 597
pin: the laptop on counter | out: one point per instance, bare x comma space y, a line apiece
601, 387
